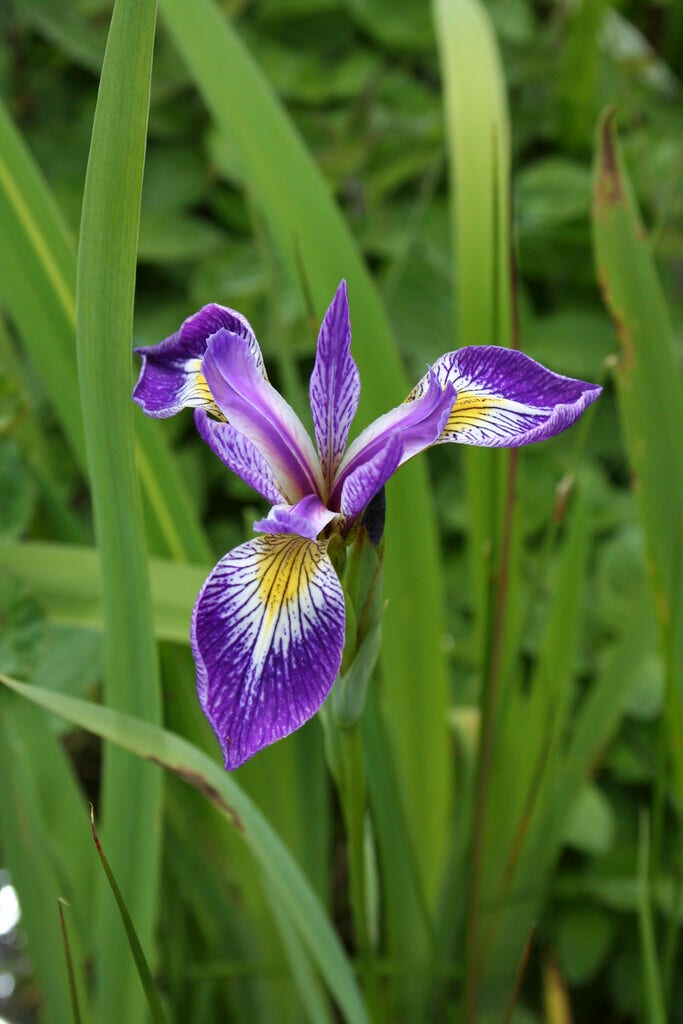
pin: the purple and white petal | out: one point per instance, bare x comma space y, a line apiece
307, 518
335, 384
259, 412
506, 399
267, 637
171, 375
199, 328
418, 422
239, 455
361, 486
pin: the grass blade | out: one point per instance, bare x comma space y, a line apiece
285, 877
144, 973
652, 982
131, 792
75, 1008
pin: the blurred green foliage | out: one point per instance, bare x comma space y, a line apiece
360, 80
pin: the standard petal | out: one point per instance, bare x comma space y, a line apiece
239, 455
267, 637
256, 409
418, 422
506, 399
171, 375
361, 486
307, 518
335, 384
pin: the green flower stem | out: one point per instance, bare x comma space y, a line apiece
352, 790
360, 568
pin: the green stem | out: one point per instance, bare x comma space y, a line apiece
353, 796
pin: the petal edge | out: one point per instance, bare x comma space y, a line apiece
506, 399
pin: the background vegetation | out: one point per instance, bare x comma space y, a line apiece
523, 737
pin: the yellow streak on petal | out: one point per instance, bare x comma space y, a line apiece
286, 567
470, 408
197, 393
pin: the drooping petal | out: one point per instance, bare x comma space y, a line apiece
363, 483
335, 384
239, 455
506, 399
267, 636
418, 422
307, 518
259, 412
171, 375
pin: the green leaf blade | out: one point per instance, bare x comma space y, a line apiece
650, 396
131, 792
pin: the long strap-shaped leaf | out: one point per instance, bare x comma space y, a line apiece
68, 579
650, 400
477, 127
131, 791
477, 130
310, 232
189, 763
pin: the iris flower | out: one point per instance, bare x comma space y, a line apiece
267, 629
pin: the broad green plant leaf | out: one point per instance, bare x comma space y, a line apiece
131, 792
284, 877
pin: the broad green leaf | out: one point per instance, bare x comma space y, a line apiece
131, 792
22, 619
19, 491
584, 935
190, 764
590, 825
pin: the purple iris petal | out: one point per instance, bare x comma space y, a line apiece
307, 518
171, 375
267, 637
259, 412
335, 384
418, 422
505, 399
362, 484
239, 455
